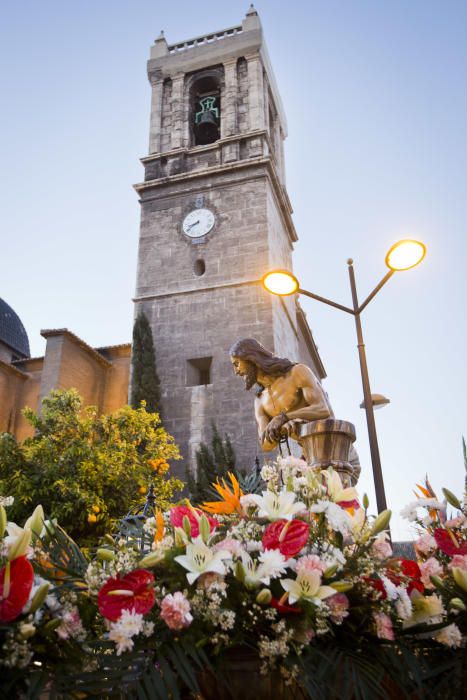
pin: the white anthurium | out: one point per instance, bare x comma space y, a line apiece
307, 586
278, 505
270, 564
201, 559
336, 490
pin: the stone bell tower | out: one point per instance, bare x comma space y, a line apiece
215, 216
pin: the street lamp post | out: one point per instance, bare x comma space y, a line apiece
402, 256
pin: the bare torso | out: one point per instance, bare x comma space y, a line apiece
298, 394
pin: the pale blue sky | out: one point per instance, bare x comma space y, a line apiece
376, 99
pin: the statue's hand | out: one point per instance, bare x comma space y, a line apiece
274, 429
292, 427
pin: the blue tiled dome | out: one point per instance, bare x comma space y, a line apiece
12, 332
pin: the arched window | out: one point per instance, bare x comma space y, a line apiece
205, 109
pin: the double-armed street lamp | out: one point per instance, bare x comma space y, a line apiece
402, 256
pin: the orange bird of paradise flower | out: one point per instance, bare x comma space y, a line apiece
231, 498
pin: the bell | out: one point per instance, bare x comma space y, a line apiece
207, 130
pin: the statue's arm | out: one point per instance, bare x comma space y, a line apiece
317, 406
262, 421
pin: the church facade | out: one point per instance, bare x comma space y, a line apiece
215, 216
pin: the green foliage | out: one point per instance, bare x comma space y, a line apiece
211, 463
145, 383
86, 469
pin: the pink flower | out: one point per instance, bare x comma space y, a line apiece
70, 625
459, 561
431, 567
381, 549
425, 544
177, 513
310, 563
339, 607
230, 545
175, 611
384, 629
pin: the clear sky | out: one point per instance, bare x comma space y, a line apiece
376, 99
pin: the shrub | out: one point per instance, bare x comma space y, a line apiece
86, 469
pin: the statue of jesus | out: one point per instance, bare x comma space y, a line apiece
288, 393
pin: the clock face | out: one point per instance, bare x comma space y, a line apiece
198, 223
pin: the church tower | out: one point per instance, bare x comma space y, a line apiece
215, 217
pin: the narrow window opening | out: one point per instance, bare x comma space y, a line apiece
199, 268
198, 371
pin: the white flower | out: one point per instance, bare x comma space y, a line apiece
307, 586
338, 519
277, 505
200, 559
403, 604
17, 541
127, 626
450, 636
6, 501
268, 473
409, 512
390, 587
336, 489
270, 564
247, 501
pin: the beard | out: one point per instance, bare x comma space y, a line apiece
250, 377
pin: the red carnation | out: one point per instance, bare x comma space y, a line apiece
448, 543
377, 585
15, 590
409, 569
134, 591
288, 536
284, 608
193, 514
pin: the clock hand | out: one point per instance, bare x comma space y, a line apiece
191, 225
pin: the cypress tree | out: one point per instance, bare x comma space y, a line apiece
212, 462
145, 383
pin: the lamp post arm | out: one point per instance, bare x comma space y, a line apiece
375, 291
325, 301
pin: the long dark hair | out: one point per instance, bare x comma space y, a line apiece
249, 349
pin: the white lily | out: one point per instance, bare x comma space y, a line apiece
270, 564
336, 490
307, 586
17, 540
277, 505
200, 559
36, 521
357, 521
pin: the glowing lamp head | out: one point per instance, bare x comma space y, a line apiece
405, 254
280, 282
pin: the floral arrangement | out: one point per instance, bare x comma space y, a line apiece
285, 573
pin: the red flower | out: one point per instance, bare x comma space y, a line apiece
377, 585
134, 591
448, 543
16, 579
193, 514
409, 569
284, 608
288, 536
349, 505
